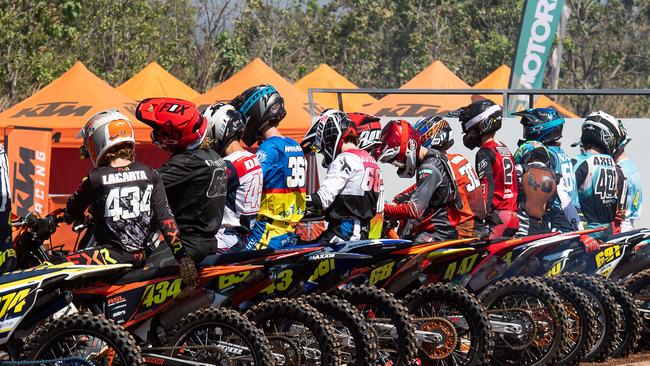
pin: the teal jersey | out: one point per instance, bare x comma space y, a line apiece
634, 191
564, 168
601, 187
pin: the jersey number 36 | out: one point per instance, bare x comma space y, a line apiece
298, 165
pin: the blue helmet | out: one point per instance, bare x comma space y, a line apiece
541, 124
532, 151
435, 132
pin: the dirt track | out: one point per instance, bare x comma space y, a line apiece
638, 359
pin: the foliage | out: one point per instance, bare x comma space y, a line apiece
374, 43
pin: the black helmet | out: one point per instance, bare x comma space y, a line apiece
263, 108
602, 131
225, 125
333, 127
479, 119
541, 124
435, 132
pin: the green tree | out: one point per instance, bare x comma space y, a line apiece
32, 36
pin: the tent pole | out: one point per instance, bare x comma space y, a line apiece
339, 96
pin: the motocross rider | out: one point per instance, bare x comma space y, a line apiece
467, 214
495, 166
537, 188
194, 176
284, 168
601, 183
435, 189
545, 126
352, 192
631, 172
8, 260
126, 199
225, 129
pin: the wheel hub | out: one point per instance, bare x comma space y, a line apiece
445, 328
543, 334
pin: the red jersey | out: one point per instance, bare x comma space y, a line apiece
468, 218
496, 170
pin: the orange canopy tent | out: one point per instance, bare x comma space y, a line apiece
326, 77
297, 121
500, 78
154, 81
435, 76
65, 105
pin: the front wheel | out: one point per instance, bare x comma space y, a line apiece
539, 315
355, 336
92, 338
582, 328
456, 315
220, 337
608, 319
391, 321
631, 323
294, 326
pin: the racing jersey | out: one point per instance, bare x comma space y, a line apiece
195, 182
496, 170
429, 201
351, 195
127, 204
634, 192
601, 188
284, 175
566, 199
468, 215
244, 191
8, 260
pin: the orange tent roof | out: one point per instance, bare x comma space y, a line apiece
326, 77
500, 78
435, 76
297, 121
66, 104
154, 81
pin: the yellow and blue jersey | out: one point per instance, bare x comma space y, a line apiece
284, 171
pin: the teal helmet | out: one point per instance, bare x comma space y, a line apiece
532, 151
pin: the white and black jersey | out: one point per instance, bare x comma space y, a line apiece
350, 195
126, 203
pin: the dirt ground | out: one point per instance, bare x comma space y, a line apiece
638, 359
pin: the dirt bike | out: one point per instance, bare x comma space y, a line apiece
34, 326
621, 256
525, 314
466, 341
173, 322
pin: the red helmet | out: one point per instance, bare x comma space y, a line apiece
401, 145
177, 124
369, 130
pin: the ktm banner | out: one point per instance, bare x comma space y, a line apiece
536, 34
28, 152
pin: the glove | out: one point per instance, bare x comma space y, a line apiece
188, 272
591, 245
616, 227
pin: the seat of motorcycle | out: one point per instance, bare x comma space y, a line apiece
234, 257
630, 234
160, 263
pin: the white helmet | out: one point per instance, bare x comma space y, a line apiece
103, 131
225, 124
